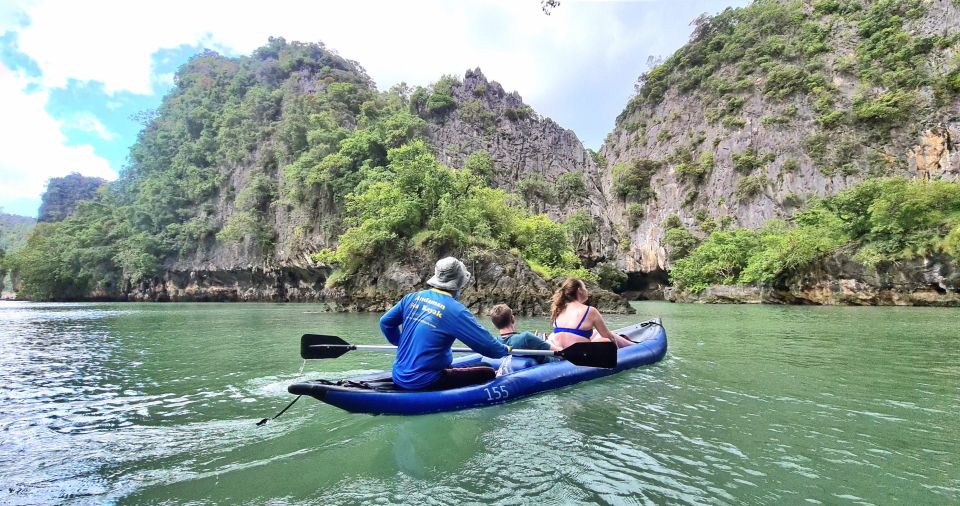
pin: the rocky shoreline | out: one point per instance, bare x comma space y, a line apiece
498, 277
840, 280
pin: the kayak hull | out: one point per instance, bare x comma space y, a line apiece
375, 394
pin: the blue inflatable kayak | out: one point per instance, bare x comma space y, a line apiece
376, 394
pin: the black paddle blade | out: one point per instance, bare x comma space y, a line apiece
321, 346
594, 354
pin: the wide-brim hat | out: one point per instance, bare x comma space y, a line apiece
449, 274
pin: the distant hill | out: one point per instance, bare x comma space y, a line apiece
63, 193
14, 230
13, 235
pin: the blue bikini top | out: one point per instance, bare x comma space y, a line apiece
576, 331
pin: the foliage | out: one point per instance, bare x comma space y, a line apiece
749, 160
535, 187
14, 230
887, 107
250, 218
62, 194
635, 213
477, 115
632, 179
690, 171
480, 164
415, 201
749, 187
522, 113
680, 241
441, 101
289, 135
610, 277
598, 159
570, 186
579, 225
880, 219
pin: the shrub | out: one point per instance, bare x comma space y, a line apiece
695, 172
672, 221
749, 187
790, 165
440, 104
635, 213
535, 186
717, 261
481, 165
680, 242
598, 159
579, 225
570, 186
477, 115
609, 277
886, 107
832, 119
783, 80
749, 160
632, 179
521, 113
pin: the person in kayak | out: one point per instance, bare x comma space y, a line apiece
423, 326
574, 321
502, 317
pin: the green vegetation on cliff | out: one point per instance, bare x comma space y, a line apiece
879, 220
413, 201
858, 76
14, 230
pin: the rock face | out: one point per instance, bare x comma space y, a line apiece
498, 278
529, 154
523, 149
799, 153
838, 280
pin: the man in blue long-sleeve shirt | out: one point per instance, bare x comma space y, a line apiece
423, 326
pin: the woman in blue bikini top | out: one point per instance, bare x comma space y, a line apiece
568, 306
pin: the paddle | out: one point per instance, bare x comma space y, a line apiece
590, 354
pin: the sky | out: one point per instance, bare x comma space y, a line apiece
73, 75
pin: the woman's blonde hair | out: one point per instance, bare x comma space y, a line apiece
566, 294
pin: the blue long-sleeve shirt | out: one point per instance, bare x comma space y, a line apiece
423, 326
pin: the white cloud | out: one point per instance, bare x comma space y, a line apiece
112, 41
35, 149
86, 122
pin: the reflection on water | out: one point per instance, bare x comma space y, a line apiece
156, 403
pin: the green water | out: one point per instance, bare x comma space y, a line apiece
141, 403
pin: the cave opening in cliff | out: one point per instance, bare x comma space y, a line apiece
646, 285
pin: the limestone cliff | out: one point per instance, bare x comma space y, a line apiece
779, 102
530, 154
247, 168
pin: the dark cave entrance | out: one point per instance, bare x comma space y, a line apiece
646, 285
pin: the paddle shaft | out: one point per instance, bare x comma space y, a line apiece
372, 347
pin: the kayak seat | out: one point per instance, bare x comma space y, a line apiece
516, 363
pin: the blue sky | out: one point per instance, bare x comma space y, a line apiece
73, 74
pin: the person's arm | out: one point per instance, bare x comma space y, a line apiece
390, 323
601, 327
469, 331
